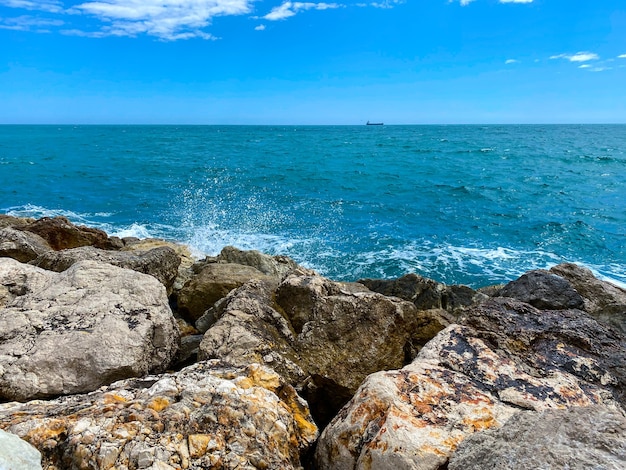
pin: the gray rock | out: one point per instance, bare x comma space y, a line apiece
324, 337
576, 438
161, 263
209, 415
544, 290
17, 454
21, 246
75, 331
277, 266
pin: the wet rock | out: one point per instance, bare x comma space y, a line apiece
208, 415
62, 234
17, 454
21, 246
574, 438
161, 263
324, 337
213, 282
505, 356
605, 301
545, 290
425, 293
75, 331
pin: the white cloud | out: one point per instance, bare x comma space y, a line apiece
289, 9
53, 6
578, 57
261, 27
621, 56
165, 19
511, 61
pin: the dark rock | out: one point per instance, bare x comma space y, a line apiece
574, 438
212, 283
425, 293
544, 290
62, 234
161, 263
21, 246
604, 301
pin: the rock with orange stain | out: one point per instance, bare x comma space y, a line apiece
505, 356
208, 415
75, 331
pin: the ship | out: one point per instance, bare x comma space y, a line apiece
374, 123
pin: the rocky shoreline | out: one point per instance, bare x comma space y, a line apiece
129, 354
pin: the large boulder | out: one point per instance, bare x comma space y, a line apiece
277, 266
605, 301
15, 222
324, 337
208, 415
425, 293
543, 289
506, 356
17, 454
161, 263
20, 245
575, 438
75, 331
212, 283
187, 260
62, 234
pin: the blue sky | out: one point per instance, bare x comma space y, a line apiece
343, 62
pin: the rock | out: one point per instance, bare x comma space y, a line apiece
17, 454
505, 356
425, 293
543, 289
574, 438
277, 266
212, 283
75, 331
15, 222
208, 415
185, 271
605, 301
324, 337
62, 234
161, 263
21, 246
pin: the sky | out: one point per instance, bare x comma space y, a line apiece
335, 62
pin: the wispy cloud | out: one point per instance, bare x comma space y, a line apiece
260, 27
621, 56
165, 19
511, 61
29, 23
289, 9
467, 2
578, 57
52, 6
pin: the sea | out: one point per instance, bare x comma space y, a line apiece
461, 204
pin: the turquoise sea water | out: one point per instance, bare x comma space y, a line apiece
461, 204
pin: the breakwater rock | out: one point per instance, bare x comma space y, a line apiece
128, 354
